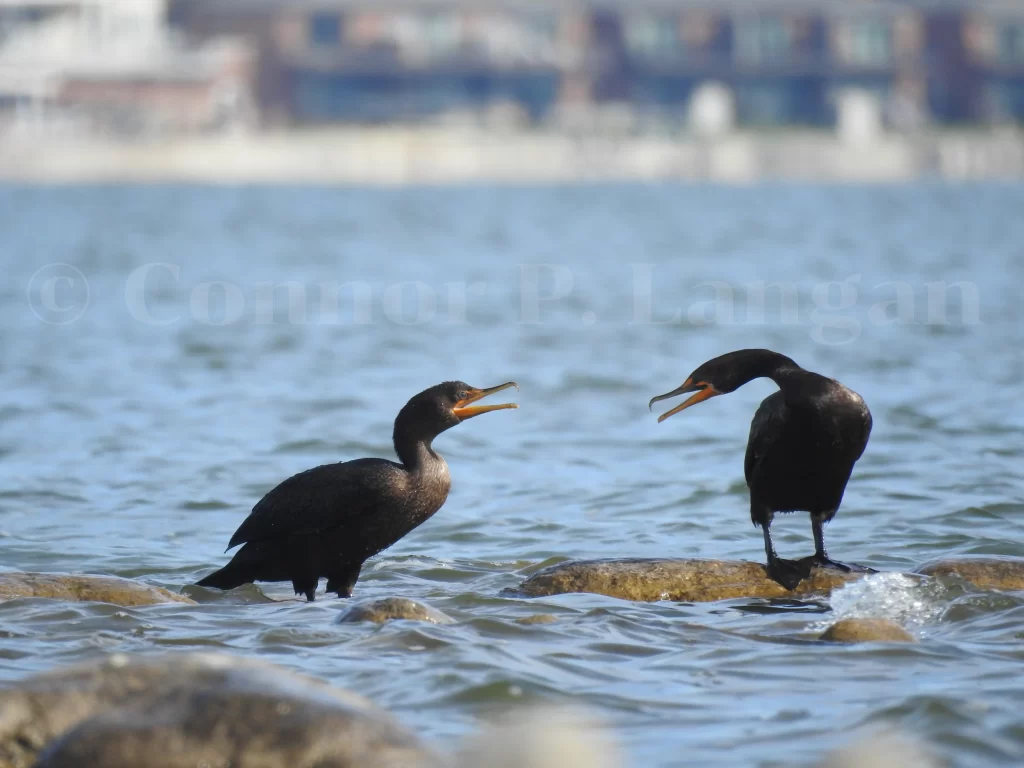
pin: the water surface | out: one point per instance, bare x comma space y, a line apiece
135, 438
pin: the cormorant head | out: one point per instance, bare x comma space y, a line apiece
722, 375
445, 405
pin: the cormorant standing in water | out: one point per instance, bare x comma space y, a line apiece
329, 520
804, 441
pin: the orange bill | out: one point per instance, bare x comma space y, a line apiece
703, 391
463, 410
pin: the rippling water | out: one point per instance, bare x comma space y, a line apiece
135, 437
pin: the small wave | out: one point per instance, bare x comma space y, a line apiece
906, 600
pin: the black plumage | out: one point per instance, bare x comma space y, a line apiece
329, 520
804, 441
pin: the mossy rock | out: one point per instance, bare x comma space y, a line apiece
195, 709
866, 631
984, 572
391, 608
691, 580
92, 589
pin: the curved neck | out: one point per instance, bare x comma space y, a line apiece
415, 453
790, 378
796, 384
763, 363
412, 440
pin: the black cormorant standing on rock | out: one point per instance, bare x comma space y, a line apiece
804, 441
329, 520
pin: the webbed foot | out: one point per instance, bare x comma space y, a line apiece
788, 573
824, 561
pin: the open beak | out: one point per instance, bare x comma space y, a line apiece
703, 391
463, 410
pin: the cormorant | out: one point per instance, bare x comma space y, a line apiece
804, 440
329, 520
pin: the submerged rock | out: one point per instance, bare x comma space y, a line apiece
390, 608
985, 572
887, 749
94, 589
690, 580
195, 709
537, 618
866, 631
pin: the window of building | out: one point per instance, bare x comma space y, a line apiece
1011, 43
871, 42
653, 37
324, 29
763, 40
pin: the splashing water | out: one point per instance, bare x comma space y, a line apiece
910, 601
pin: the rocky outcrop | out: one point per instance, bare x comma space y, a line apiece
984, 572
391, 608
677, 580
180, 711
96, 589
866, 631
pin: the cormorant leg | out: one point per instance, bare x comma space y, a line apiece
821, 558
788, 573
305, 586
344, 580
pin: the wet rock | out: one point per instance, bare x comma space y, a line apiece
690, 580
94, 589
538, 618
887, 749
390, 608
185, 710
866, 631
985, 572
543, 737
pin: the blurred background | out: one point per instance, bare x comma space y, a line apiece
406, 90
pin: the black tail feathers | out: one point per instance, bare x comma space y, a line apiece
241, 570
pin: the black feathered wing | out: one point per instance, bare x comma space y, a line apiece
866, 433
765, 428
313, 501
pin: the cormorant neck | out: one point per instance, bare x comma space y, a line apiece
763, 363
412, 437
415, 454
798, 386
787, 375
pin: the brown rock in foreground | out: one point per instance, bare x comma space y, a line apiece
96, 589
185, 710
985, 572
390, 608
690, 580
867, 630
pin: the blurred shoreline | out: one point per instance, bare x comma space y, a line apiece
443, 155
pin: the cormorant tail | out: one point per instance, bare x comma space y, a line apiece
241, 570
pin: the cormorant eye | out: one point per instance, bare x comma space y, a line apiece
462, 396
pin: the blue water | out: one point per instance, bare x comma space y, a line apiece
154, 383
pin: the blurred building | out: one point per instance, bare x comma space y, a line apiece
777, 62
73, 67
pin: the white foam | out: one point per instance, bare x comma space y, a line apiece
906, 600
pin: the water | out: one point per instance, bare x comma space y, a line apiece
135, 438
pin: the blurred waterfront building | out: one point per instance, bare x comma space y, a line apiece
567, 62
80, 67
